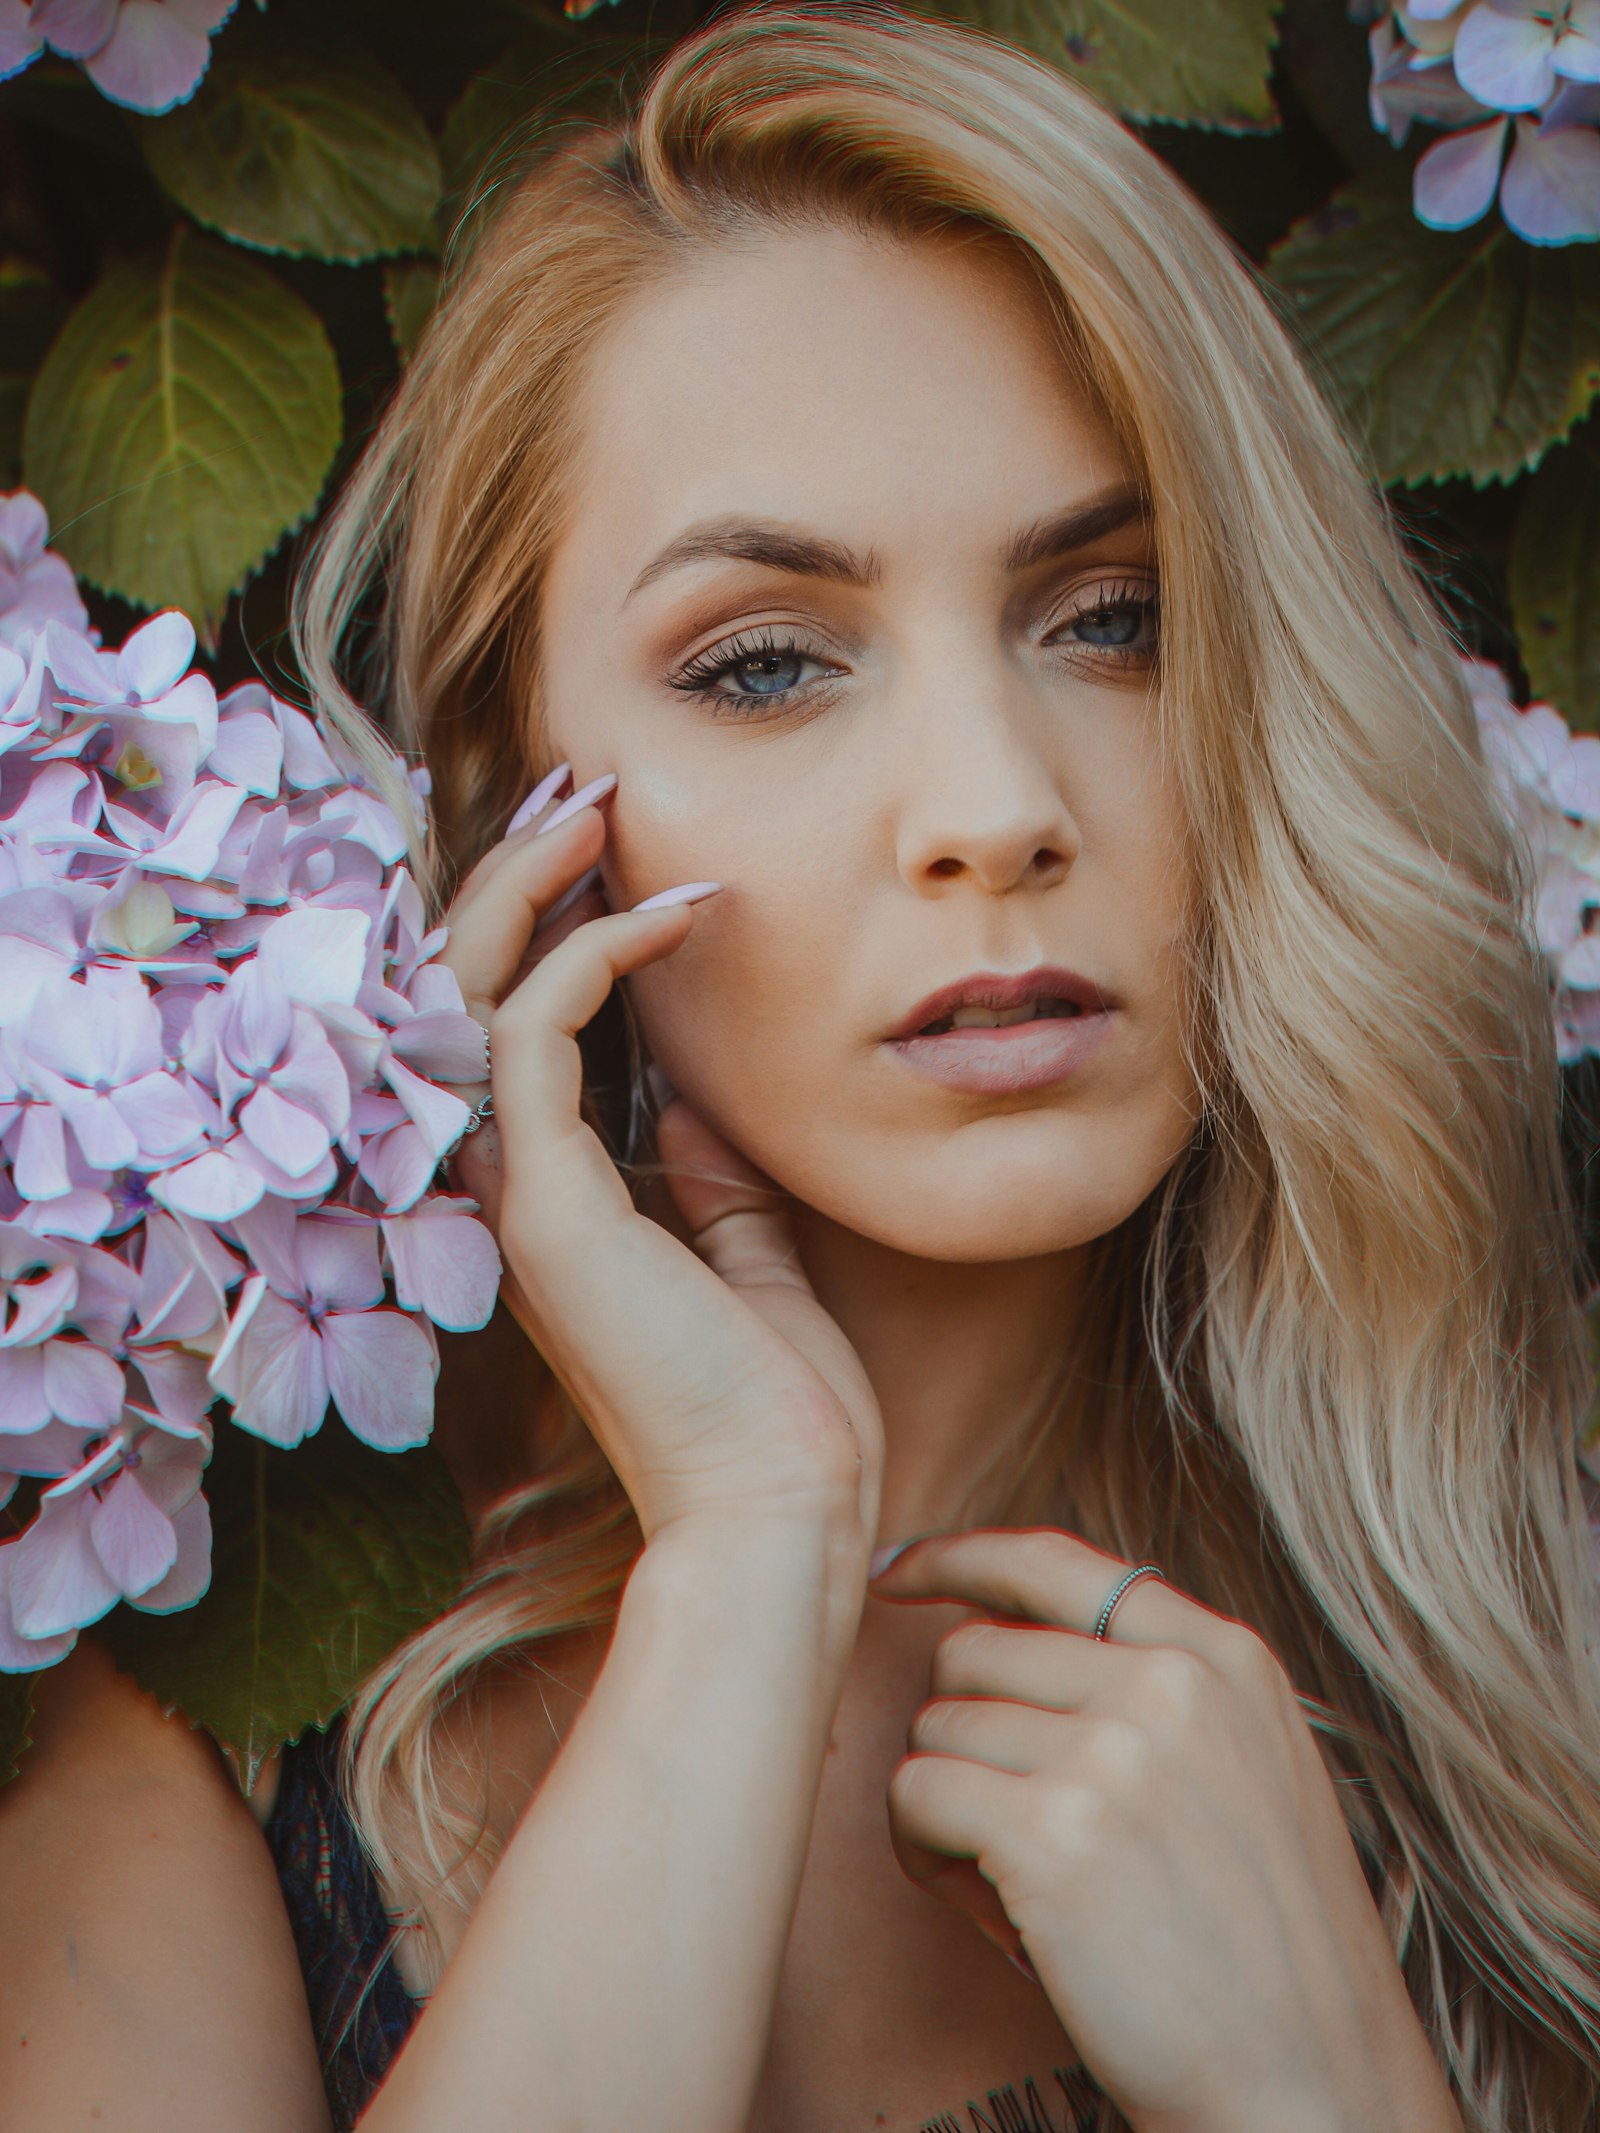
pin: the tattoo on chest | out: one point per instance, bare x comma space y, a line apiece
1007, 2112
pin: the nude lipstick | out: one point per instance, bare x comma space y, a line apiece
1000, 1033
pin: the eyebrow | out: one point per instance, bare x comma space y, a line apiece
804, 555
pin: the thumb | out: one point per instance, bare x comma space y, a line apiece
738, 1219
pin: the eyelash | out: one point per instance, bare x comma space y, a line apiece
699, 677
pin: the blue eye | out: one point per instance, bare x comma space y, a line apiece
769, 664
1119, 622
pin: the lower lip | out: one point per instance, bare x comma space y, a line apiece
1010, 1060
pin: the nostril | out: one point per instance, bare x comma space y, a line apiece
945, 868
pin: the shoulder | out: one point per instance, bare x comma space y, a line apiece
148, 1975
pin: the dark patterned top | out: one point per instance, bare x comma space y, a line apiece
362, 2012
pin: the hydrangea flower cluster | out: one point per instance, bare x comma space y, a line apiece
223, 1026
1491, 72
148, 54
1549, 781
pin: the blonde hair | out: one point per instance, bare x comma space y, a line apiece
1336, 1371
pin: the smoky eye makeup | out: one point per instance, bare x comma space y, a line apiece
1108, 627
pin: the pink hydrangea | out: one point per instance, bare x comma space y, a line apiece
1498, 75
224, 1034
147, 54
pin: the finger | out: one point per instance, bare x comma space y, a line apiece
1043, 1574
1006, 1732
538, 1069
492, 921
943, 1809
1054, 1669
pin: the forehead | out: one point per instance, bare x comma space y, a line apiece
832, 375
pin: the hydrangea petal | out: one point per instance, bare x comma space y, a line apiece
20, 44
153, 61
23, 1406
316, 956
82, 1384
338, 1262
211, 1188
58, 1582
381, 1373
283, 1384
189, 1579
290, 1138
445, 1263
1454, 180
75, 28
1551, 193
132, 1537
1503, 55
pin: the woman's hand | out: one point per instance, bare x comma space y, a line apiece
1149, 1818
711, 1377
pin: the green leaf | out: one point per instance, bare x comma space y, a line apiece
183, 422
323, 1559
1555, 580
410, 291
1194, 62
1455, 353
316, 152
16, 1721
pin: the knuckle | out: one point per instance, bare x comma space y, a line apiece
1119, 1753
944, 1721
1178, 1683
1251, 1661
1072, 1822
959, 1650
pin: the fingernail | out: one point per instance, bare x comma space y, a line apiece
1021, 1962
661, 1089
539, 799
688, 892
568, 897
589, 795
880, 1559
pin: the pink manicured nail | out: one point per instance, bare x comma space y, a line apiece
688, 892
539, 799
1021, 1962
880, 1558
661, 1088
589, 795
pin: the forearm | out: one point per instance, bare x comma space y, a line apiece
622, 1965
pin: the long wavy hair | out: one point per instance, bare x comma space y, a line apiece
1334, 1370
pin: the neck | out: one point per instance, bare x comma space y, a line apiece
965, 1361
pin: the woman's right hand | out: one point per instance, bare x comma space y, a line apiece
710, 1375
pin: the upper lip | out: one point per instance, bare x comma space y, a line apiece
999, 989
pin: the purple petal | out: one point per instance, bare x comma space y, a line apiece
1502, 56
58, 1582
36, 1307
212, 1188
316, 956
290, 1139
75, 28
161, 1113
307, 765
248, 751
1454, 181
189, 1579
1551, 193
399, 1166
440, 1117
18, 1654
82, 1384
133, 1539
170, 1468
442, 1044
444, 1263
339, 1262
283, 1385
381, 1373
39, 1158
154, 59
79, 1213
310, 1186
20, 42
23, 1406
158, 654
177, 1383
192, 844
313, 1075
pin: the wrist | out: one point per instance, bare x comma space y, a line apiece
802, 1571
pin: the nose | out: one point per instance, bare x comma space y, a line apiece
986, 806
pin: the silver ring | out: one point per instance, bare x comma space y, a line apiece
1142, 1570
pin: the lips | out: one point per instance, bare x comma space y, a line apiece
1049, 986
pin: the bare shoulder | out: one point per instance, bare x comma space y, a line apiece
148, 1976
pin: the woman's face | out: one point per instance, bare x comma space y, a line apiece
855, 600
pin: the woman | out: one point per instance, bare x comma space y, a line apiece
1116, 1134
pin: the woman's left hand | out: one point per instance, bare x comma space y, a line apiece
1149, 1818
